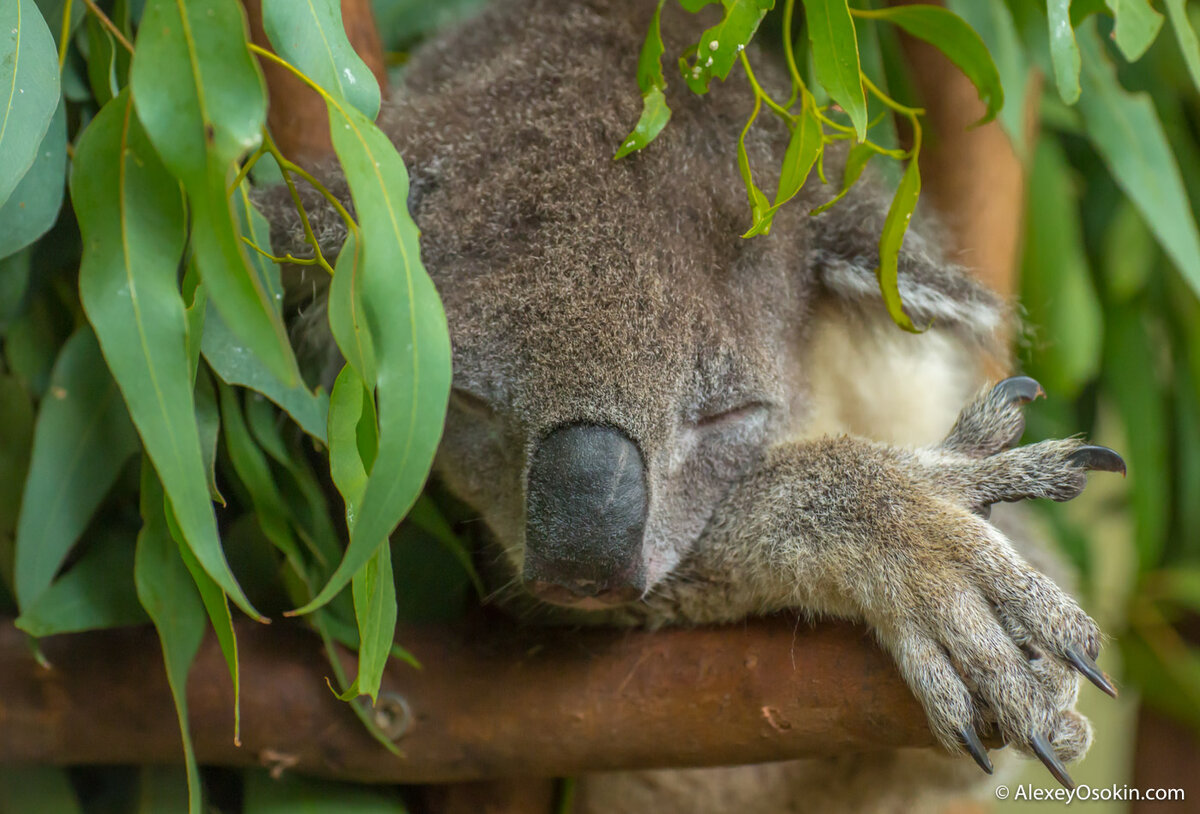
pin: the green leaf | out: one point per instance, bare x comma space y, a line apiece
131, 219
1056, 283
208, 423
892, 238
236, 364
81, 441
426, 516
216, 605
951, 35
856, 162
804, 147
1137, 25
167, 592
16, 440
347, 320
652, 83
1064, 51
374, 591
200, 97
292, 794
720, 45
29, 89
994, 24
835, 55
254, 471
1127, 133
57, 15
310, 35
44, 789
102, 62
98, 592
1131, 381
33, 206
408, 329
1185, 35
346, 467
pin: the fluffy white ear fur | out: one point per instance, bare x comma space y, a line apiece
867, 377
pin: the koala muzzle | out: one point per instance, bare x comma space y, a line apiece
585, 515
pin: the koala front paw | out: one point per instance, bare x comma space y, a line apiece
986, 641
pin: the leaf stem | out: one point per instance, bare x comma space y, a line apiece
309, 236
64, 37
762, 94
103, 19
798, 87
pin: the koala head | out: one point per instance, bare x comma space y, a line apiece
621, 356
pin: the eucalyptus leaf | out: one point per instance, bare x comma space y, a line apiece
892, 238
97, 592
82, 439
835, 56
804, 148
201, 99
131, 218
16, 440
1185, 35
408, 329
1129, 136
951, 35
655, 113
44, 789
29, 88
168, 594
720, 45
375, 612
310, 35
856, 162
1064, 51
1137, 25
162, 790
33, 206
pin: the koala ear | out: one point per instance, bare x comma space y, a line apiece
844, 253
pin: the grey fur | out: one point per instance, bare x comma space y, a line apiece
579, 289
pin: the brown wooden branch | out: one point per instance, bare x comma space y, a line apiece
491, 701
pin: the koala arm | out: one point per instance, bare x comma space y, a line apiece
898, 538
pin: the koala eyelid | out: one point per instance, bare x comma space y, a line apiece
734, 415
471, 403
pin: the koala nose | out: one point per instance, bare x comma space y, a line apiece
585, 515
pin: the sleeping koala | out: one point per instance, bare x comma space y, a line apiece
663, 423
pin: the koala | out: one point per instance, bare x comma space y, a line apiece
662, 423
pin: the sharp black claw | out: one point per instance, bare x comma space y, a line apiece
1097, 457
1020, 388
1085, 665
1045, 752
975, 748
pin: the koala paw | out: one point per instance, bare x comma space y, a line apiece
988, 643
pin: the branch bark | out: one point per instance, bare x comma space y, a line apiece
491, 701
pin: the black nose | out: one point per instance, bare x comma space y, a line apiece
585, 514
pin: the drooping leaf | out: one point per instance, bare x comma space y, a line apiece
758, 201
1127, 133
1185, 35
720, 45
33, 205
347, 320
97, 592
994, 24
29, 89
408, 329
1056, 284
310, 35
81, 441
216, 605
1064, 51
655, 113
892, 238
1137, 24
131, 218
102, 62
208, 423
951, 35
804, 147
835, 56
375, 612
168, 594
200, 97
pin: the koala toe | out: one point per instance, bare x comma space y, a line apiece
1055, 469
993, 421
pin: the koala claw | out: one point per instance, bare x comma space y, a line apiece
975, 748
1045, 752
1097, 457
1084, 663
1020, 389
